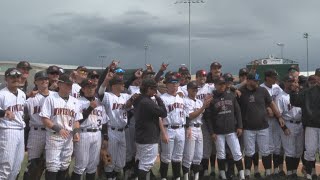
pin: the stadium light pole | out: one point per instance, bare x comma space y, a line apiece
145, 53
102, 59
306, 36
189, 3
281, 45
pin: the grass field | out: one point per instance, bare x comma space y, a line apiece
155, 170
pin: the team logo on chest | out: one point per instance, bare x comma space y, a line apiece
117, 106
63, 111
252, 98
16, 108
173, 106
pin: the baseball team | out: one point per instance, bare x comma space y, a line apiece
165, 116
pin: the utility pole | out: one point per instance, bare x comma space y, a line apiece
306, 36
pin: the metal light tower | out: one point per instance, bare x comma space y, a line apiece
102, 59
281, 45
189, 3
145, 53
306, 36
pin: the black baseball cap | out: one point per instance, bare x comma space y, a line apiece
65, 78
41, 75
288, 78
172, 77
183, 70
228, 77
116, 80
82, 68
312, 78
253, 76
271, 73
294, 68
149, 82
148, 72
215, 64
93, 74
24, 65
192, 85
220, 80
53, 69
12, 72
201, 73
317, 72
243, 72
87, 82
302, 79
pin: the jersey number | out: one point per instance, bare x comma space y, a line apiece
99, 122
70, 123
125, 115
181, 114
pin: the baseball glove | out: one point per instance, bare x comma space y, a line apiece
105, 158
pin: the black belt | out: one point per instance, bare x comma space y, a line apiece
119, 129
90, 130
196, 125
295, 122
39, 128
174, 126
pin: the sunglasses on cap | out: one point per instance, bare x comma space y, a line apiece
83, 72
119, 71
15, 73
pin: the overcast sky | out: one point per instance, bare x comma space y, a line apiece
234, 32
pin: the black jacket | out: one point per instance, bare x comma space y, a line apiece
224, 114
147, 113
309, 101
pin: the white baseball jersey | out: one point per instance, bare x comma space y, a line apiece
204, 91
62, 112
34, 105
15, 104
134, 89
183, 90
274, 91
115, 109
97, 116
176, 114
75, 92
289, 112
192, 106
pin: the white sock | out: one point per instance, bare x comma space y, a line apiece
241, 172
196, 176
309, 176
268, 172
256, 169
289, 173
247, 172
178, 178
276, 170
294, 171
313, 171
186, 176
148, 176
223, 175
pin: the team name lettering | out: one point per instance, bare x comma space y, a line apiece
171, 107
64, 111
16, 108
201, 96
36, 110
223, 103
96, 112
117, 106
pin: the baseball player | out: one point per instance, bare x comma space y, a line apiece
172, 143
79, 75
87, 150
148, 126
205, 90
37, 134
116, 105
193, 148
12, 101
53, 74
308, 100
274, 128
60, 114
293, 141
253, 102
225, 125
